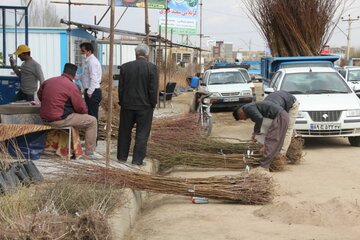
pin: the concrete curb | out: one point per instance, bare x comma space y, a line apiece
125, 217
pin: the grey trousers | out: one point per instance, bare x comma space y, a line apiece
81, 121
274, 138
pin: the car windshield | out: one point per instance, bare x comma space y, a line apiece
226, 78
245, 73
314, 83
354, 75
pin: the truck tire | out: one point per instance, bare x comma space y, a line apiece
354, 141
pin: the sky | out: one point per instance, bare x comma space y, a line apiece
225, 20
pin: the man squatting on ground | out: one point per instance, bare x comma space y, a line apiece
291, 105
138, 94
62, 106
275, 135
30, 74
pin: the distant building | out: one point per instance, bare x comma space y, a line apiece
247, 56
228, 49
340, 51
223, 51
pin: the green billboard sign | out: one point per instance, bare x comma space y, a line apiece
158, 4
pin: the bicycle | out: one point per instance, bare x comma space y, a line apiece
204, 118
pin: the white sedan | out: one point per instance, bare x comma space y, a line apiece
328, 106
352, 76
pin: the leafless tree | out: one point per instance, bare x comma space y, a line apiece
42, 14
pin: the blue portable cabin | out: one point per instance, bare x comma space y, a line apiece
49, 47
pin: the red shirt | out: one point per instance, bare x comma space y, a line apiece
59, 98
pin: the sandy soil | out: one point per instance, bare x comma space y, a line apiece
318, 199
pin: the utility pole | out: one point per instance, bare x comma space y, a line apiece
69, 32
350, 21
147, 27
165, 56
111, 62
250, 55
200, 36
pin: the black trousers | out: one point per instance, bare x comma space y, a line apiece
143, 119
93, 103
23, 96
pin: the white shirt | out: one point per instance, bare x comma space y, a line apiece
92, 74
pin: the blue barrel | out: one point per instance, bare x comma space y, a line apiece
9, 86
194, 82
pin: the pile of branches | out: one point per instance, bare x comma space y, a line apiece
295, 27
178, 142
64, 209
294, 153
253, 188
90, 225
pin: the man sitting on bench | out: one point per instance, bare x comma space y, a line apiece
63, 106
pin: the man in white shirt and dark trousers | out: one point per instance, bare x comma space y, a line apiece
91, 78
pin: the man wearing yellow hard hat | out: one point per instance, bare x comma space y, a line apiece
30, 73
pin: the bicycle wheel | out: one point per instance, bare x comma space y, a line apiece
204, 121
206, 124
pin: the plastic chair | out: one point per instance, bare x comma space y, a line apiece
168, 93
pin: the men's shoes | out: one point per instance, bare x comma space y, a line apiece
138, 163
93, 156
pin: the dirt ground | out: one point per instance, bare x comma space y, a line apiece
318, 199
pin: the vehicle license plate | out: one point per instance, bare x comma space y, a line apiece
233, 99
328, 126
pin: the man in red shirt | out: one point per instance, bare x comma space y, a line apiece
63, 106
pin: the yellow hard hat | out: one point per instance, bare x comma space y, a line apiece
22, 49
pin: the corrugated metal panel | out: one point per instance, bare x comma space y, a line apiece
122, 53
45, 45
128, 53
45, 49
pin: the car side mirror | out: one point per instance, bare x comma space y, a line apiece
268, 90
202, 84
